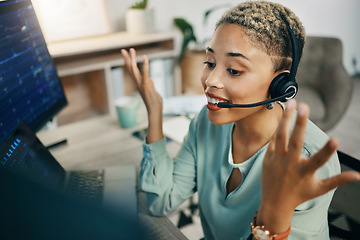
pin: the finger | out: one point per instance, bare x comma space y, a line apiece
338, 180
272, 144
146, 67
322, 156
147, 81
126, 57
298, 135
282, 134
270, 150
134, 68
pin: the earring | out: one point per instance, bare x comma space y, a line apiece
270, 105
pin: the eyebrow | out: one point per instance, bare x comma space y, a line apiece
230, 54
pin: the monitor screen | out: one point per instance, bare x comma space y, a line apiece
22, 152
30, 89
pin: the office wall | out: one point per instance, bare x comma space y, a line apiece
335, 18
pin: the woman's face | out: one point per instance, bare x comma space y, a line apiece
235, 71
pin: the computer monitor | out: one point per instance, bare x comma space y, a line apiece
30, 89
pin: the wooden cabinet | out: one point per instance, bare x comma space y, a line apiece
85, 67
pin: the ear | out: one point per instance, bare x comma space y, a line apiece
280, 72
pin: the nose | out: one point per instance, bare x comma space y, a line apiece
214, 80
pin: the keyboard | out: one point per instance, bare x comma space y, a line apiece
87, 184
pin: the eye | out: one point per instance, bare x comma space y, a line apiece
210, 65
234, 72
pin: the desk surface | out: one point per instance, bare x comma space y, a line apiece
99, 142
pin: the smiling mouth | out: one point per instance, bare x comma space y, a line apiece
214, 101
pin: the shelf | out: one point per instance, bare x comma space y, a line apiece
91, 60
101, 61
102, 52
105, 42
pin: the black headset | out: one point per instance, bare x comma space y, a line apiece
284, 86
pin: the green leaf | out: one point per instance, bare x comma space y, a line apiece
139, 5
188, 32
209, 11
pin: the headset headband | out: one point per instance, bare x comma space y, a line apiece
295, 51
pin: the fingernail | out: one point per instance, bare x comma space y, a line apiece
301, 110
358, 177
334, 143
290, 104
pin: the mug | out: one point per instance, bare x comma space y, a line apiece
126, 109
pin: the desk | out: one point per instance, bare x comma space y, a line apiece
98, 142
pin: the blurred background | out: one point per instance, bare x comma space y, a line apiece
320, 18
85, 37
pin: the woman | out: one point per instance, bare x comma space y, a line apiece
244, 162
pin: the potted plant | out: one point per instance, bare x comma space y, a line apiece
192, 53
140, 18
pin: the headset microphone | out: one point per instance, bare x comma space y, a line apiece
230, 105
284, 86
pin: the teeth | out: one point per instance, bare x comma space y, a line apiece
213, 101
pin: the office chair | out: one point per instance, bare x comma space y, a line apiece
344, 210
323, 81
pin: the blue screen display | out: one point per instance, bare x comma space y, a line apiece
30, 89
23, 153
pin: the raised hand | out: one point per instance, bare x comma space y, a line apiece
144, 83
289, 179
150, 96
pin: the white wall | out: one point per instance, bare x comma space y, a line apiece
335, 18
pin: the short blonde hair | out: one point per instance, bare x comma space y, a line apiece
263, 24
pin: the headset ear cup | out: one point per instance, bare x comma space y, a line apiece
289, 87
277, 84
281, 85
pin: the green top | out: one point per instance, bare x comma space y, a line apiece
204, 164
